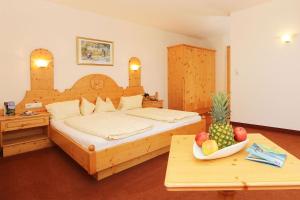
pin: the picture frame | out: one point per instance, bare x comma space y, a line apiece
94, 52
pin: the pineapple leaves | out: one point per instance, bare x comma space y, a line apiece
220, 108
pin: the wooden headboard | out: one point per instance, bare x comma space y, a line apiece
89, 87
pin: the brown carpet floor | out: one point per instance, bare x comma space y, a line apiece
51, 174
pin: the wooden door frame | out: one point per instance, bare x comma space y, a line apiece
228, 69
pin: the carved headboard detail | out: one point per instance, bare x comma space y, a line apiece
89, 87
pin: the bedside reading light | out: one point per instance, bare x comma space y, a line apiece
134, 67
41, 63
41, 70
286, 38
134, 64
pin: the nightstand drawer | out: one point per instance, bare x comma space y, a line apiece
24, 123
154, 104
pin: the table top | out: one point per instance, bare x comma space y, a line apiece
19, 116
186, 173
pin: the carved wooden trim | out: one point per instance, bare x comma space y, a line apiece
89, 87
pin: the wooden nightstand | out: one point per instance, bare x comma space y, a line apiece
19, 134
154, 104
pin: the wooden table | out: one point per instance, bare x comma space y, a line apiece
185, 173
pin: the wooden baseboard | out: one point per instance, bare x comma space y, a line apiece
267, 128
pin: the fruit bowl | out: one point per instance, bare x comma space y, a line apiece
227, 151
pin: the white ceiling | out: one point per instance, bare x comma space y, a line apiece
197, 18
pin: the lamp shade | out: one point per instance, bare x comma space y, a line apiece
134, 63
41, 62
286, 38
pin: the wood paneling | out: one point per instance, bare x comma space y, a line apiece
134, 75
176, 77
41, 78
89, 87
191, 77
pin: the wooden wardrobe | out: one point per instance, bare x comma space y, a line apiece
191, 78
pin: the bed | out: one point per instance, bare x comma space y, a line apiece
85, 139
98, 157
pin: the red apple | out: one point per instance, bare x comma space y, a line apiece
201, 137
240, 134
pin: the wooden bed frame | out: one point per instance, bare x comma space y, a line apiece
111, 160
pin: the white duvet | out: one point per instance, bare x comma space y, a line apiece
109, 125
165, 115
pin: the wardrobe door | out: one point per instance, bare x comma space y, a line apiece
211, 77
176, 64
207, 80
191, 86
199, 79
191, 78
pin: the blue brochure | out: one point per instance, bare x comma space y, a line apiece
262, 154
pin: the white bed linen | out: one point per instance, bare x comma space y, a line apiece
86, 139
161, 114
109, 125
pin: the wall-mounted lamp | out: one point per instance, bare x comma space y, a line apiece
286, 38
134, 63
41, 70
134, 71
41, 63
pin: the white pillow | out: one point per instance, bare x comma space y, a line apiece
62, 110
131, 102
86, 107
104, 106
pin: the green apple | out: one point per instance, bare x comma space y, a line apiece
209, 147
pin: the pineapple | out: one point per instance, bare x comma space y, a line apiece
220, 130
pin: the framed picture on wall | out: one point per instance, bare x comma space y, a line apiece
94, 52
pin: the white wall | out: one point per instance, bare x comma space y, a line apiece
27, 25
220, 44
266, 72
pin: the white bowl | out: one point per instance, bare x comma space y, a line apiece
227, 151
